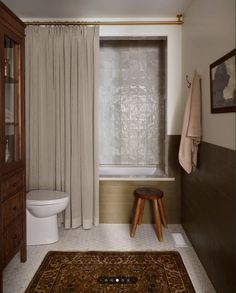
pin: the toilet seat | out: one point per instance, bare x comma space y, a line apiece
43, 206
45, 197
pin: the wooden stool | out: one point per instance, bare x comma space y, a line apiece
155, 195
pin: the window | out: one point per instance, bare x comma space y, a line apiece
132, 92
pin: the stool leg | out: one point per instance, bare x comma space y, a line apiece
162, 212
136, 217
158, 220
141, 211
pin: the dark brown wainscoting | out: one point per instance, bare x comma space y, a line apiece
209, 213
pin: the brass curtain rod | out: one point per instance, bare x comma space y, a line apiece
179, 21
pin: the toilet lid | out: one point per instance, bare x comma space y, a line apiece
45, 197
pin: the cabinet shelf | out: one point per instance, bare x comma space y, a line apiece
9, 79
12, 123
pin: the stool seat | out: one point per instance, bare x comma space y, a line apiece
148, 193
155, 196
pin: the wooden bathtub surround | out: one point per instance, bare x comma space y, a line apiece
117, 200
155, 196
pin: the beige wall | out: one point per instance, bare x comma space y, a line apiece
208, 34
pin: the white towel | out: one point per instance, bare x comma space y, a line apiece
192, 127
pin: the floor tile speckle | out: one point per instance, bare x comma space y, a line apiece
105, 237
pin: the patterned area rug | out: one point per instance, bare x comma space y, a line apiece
111, 272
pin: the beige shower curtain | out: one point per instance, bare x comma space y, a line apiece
61, 134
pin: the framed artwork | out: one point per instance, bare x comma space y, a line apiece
222, 84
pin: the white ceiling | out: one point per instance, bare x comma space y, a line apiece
97, 8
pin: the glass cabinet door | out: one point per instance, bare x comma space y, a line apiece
12, 140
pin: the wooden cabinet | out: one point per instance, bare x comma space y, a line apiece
12, 142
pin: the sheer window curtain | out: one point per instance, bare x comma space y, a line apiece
61, 116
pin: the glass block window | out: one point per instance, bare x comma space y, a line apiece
132, 92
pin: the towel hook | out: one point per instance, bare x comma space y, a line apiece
188, 82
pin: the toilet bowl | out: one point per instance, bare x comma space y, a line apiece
42, 209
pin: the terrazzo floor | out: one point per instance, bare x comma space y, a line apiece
107, 237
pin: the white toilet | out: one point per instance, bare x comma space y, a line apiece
42, 209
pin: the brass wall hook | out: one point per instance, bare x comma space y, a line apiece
188, 82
